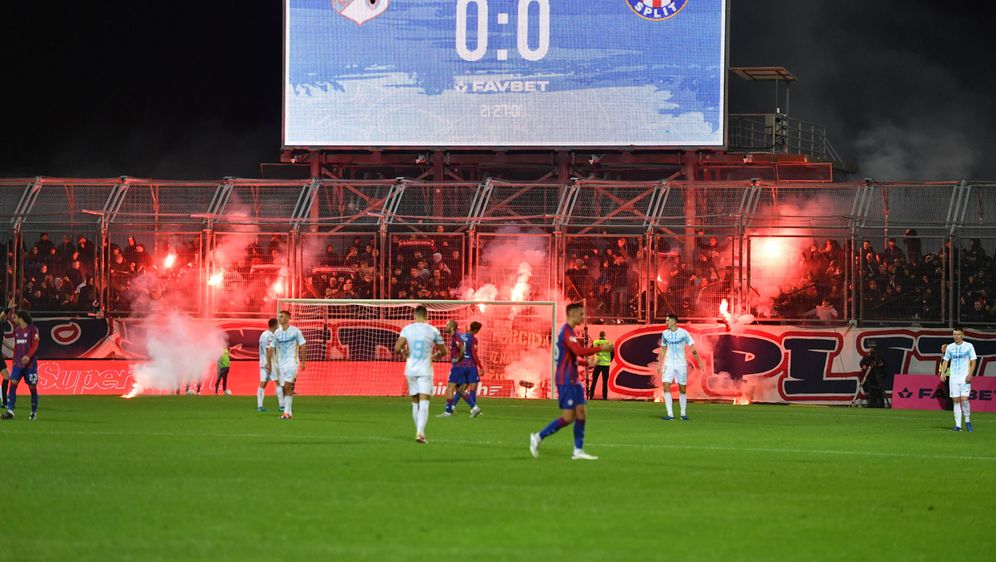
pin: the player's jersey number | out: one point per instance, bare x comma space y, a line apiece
418, 350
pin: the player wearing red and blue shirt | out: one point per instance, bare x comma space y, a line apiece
466, 370
26, 340
469, 367
453, 391
570, 390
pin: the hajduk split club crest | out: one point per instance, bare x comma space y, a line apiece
360, 11
657, 10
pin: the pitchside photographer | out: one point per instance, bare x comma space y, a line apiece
874, 378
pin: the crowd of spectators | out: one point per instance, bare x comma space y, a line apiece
425, 267
60, 277
604, 272
821, 287
901, 284
344, 272
695, 284
899, 281
977, 298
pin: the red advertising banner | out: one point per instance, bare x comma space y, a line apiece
927, 392
111, 377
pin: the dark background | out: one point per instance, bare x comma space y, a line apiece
192, 89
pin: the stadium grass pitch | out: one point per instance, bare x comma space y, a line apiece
206, 478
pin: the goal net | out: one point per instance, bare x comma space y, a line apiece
350, 345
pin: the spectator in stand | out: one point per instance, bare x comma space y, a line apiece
892, 254
979, 313
87, 254
914, 252
44, 244
330, 258
142, 260
974, 257
369, 254
823, 311
86, 298
438, 264
619, 283
352, 257
348, 292
66, 251
455, 262
833, 252
130, 250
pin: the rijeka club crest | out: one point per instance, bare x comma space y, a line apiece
360, 11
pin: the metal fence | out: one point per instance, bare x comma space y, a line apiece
867, 252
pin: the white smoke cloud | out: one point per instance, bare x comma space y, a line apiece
181, 350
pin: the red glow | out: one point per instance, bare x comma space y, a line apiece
772, 252
216, 279
169, 262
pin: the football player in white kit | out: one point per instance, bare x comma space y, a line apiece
420, 343
961, 355
672, 365
288, 344
267, 370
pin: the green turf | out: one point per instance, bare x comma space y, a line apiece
206, 478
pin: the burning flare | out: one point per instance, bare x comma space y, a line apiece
216, 279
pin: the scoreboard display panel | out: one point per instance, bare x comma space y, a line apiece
505, 73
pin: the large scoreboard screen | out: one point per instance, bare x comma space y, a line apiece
504, 73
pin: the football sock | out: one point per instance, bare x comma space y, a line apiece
579, 434
280, 396
34, 398
957, 414
449, 405
552, 427
471, 398
3, 387
423, 416
457, 395
966, 411
259, 397
288, 401
668, 402
12, 397
415, 414
682, 401
224, 383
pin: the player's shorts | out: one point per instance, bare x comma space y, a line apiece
675, 373
287, 374
30, 375
570, 396
958, 388
465, 375
419, 384
264, 376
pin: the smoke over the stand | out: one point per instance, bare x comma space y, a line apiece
777, 248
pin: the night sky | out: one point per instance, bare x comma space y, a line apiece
103, 89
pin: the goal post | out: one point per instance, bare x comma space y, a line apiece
350, 345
